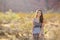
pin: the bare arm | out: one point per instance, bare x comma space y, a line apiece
33, 23
43, 23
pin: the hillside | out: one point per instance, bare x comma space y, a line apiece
19, 26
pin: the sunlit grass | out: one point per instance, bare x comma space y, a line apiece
21, 24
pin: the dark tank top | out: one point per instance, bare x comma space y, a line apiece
36, 23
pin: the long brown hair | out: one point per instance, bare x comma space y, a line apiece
41, 17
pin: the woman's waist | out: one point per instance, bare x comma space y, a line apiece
37, 25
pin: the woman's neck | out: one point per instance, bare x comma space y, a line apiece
37, 17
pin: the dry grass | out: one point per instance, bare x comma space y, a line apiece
14, 26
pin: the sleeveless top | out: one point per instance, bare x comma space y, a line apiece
37, 26
36, 22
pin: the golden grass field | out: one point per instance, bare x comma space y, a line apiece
18, 26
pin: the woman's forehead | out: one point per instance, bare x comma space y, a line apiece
39, 12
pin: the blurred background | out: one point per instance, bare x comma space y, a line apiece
29, 5
16, 19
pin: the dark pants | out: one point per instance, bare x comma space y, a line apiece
35, 36
38, 37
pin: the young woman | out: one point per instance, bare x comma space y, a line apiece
38, 25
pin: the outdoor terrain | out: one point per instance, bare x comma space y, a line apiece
18, 26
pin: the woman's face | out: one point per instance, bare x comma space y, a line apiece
39, 13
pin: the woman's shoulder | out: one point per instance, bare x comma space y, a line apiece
34, 19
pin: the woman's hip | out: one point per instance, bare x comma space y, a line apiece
36, 30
